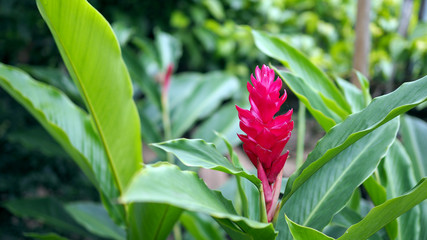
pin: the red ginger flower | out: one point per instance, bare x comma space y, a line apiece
266, 135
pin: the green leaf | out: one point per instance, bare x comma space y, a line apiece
151, 221
198, 153
201, 227
94, 62
343, 220
303, 233
352, 94
44, 236
379, 111
48, 210
400, 179
414, 131
68, 124
354, 202
55, 77
381, 215
329, 189
311, 99
165, 183
206, 97
377, 193
95, 219
301, 66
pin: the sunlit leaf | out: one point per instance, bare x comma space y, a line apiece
94, 62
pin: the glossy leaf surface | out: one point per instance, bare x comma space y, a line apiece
165, 183
94, 61
68, 124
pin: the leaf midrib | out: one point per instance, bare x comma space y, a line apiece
84, 92
327, 193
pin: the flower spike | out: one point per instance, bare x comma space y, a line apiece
266, 135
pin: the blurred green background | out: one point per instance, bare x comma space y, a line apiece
198, 36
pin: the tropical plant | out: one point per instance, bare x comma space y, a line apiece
145, 201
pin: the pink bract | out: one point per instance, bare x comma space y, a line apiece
266, 135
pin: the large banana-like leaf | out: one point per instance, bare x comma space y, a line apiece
381, 215
165, 183
329, 189
303, 68
92, 55
68, 124
379, 111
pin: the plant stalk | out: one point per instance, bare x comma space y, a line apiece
263, 213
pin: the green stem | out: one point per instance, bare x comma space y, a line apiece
166, 124
263, 213
243, 198
300, 135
